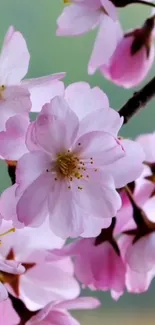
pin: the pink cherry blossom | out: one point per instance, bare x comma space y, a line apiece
81, 16
133, 57
94, 107
42, 281
97, 266
57, 313
8, 316
70, 166
14, 95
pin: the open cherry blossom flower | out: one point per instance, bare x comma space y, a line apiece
57, 313
98, 266
16, 96
8, 315
42, 281
80, 170
81, 16
133, 57
77, 163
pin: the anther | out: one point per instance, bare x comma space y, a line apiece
8, 232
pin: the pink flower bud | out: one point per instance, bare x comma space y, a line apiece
132, 58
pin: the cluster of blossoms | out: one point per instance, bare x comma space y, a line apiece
73, 176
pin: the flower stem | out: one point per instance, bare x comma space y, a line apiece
21, 310
138, 101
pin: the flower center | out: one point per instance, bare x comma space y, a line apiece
67, 165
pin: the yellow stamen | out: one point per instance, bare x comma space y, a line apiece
2, 88
8, 232
67, 164
66, 2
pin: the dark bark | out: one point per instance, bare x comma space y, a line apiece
138, 101
21, 310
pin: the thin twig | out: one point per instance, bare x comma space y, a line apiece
21, 310
138, 101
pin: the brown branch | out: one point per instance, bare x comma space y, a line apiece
21, 310
138, 101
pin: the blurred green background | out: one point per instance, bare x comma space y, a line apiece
36, 19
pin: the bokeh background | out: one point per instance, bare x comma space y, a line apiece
36, 19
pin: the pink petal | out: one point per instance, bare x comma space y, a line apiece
103, 49
57, 122
12, 141
65, 218
43, 89
138, 282
124, 216
94, 225
12, 267
50, 315
16, 100
32, 206
3, 293
104, 119
147, 141
141, 256
98, 197
108, 269
8, 211
8, 35
31, 141
76, 20
125, 170
30, 167
30, 244
101, 146
148, 208
8, 315
110, 8
84, 100
79, 303
49, 283
14, 59
73, 248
